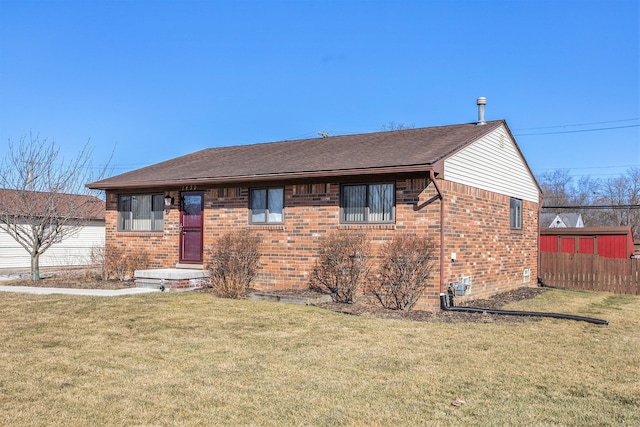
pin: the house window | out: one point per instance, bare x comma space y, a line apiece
515, 214
267, 205
368, 203
140, 212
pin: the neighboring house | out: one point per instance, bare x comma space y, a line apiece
608, 242
74, 250
561, 220
466, 186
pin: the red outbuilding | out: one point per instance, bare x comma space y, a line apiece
608, 242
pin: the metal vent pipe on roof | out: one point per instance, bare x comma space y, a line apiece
482, 101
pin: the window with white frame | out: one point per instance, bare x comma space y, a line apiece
362, 203
515, 213
267, 205
140, 212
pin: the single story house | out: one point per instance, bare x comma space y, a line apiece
561, 220
466, 186
608, 242
86, 228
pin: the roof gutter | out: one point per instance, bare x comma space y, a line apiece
432, 176
538, 258
105, 185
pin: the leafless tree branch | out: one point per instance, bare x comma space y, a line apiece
43, 195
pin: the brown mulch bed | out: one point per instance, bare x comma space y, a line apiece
367, 306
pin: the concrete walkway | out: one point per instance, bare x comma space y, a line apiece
68, 291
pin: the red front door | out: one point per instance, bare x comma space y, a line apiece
192, 203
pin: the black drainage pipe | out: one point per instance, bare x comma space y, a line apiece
544, 285
444, 305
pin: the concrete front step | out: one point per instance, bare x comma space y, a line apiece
171, 279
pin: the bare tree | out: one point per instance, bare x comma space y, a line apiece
585, 194
613, 202
392, 125
43, 198
557, 187
623, 192
560, 191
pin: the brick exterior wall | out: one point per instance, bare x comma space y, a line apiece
487, 250
477, 230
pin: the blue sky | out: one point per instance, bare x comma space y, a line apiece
159, 79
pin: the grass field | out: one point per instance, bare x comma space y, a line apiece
192, 359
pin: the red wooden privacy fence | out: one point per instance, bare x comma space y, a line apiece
591, 272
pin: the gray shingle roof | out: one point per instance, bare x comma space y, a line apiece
379, 152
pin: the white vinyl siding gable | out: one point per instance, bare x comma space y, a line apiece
493, 163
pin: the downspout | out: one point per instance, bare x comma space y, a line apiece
540, 204
435, 184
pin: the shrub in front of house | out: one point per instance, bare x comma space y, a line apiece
233, 261
404, 272
343, 265
113, 263
98, 259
